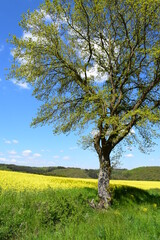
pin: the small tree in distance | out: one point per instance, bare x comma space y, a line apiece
93, 63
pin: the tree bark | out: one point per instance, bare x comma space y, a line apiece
103, 182
103, 150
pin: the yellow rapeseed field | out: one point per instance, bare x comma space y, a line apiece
23, 181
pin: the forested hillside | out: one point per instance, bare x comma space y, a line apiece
141, 173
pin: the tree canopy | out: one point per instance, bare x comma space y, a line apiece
93, 63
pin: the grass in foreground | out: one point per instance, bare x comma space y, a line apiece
66, 214
36, 207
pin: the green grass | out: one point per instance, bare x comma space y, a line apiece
66, 214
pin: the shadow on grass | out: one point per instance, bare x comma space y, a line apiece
126, 194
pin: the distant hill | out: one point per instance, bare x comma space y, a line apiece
146, 173
141, 173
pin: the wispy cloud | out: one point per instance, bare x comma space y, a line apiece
45, 150
14, 141
66, 158
13, 160
36, 155
129, 155
12, 152
7, 141
73, 148
22, 85
1, 48
26, 153
3, 159
56, 157
15, 156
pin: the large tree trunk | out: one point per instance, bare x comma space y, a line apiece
103, 182
103, 150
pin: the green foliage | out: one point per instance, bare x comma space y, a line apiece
93, 62
66, 214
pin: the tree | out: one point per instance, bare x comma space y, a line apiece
94, 63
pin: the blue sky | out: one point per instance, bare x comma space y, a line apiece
22, 145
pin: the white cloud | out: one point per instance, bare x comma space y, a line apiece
73, 148
7, 141
47, 17
13, 160
61, 151
29, 35
95, 132
132, 131
12, 152
1, 48
66, 158
3, 159
56, 157
15, 156
20, 59
15, 141
98, 76
1, 154
26, 153
22, 85
130, 155
95, 72
23, 60
37, 155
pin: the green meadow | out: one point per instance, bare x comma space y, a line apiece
45, 214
